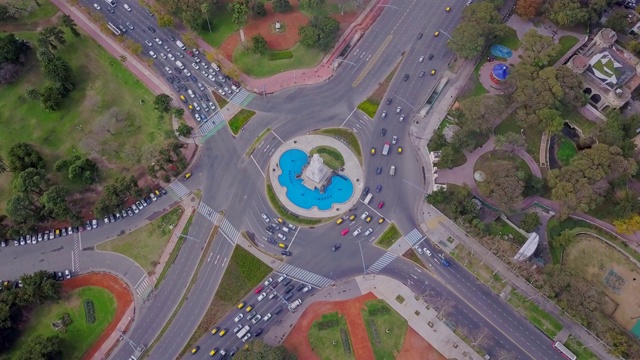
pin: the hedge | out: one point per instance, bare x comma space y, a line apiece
89, 311
280, 55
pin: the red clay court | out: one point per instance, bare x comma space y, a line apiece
414, 347
114, 285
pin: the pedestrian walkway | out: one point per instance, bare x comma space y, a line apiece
242, 98
384, 260
413, 237
208, 212
303, 275
143, 287
179, 189
230, 231
76, 253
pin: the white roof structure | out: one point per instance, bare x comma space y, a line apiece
316, 171
528, 248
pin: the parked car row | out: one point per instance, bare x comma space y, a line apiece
135, 207
54, 275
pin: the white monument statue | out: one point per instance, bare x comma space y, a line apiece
316, 171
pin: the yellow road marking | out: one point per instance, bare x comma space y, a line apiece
372, 61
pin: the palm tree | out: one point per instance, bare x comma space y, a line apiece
3, 167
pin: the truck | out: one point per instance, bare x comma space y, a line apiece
295, 304
181, 45
179, 65
392, 171
368, 198
385, 149
242, 332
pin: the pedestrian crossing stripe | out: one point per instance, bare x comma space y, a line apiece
305, 276
143, 289
180, 190
413, 237
243, 97
381, 263
212, 132
207, 211
230, 231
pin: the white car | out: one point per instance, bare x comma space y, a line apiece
384, 114
126, 7
364, 216
162, 55
198, 118
221, 92
238, 318
212, 106
427, 251
96, 6
357, 232
187, 72
266, 218
152, 54
171, 57
268, 281
394, 140
256, 319
149, 43
195, 105
191, 94
262, 296
419, 252
421, 59
157, 41
368, 232
167, 69
167, 48
195, 66
210, 77
267, 317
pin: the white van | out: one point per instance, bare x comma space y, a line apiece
180, 45
179, 65
393, 170
282, 237
285, 229
215, 66
127, 7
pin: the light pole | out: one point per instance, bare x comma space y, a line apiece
79, 127
188, 237
449, 36
391, 6
352, 63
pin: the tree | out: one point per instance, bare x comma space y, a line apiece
530, 222
258, 350
448, 156
320, 33
51, 98
165, 20
617, 21
551, 120
259, 44
619, 131
84, 170
55, 205
12, 50
67, 21
502, 183
162, 103
510, 140
311, 4
466, 41
31, 181
9, 72
633, 46
528, 9
281, 6
58, 70
33, 94
50, 37
480, 23
480, 112
259, 9
239, 11
571, 85
40, 348
480, 337
539, 50
38, 288
23, 156
3, 166
629, 225
190, 39
567, 13
21, 209
184, 129
178, 112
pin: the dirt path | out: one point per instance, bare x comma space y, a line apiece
31, 26
120, 291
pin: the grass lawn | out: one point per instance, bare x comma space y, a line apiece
385, 327
369, 107
532, 135
510, 39
174, 252
284, 213
346, 136
501, 155
79, 335
322, 339
221, 27
331, 156
102, 83
566, 150
259, 66
573, 116
45, 10
146, 244
389, 236
579, 350
501, 228
566, 43
538, 317
239, 120
478, 88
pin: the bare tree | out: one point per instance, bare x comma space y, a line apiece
480, 337
441, 304
504, 354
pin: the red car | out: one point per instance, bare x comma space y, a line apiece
380, 204
259, 289
345, 232
190, 53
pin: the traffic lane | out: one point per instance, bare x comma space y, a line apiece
197, 301
115, 263
152, 317
52, 255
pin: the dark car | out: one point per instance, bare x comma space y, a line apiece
419, 35
405, 77
59, 276
389, 101
258, 332
336, 247
271, 240
430, 56
286, 253
193, 78
288, 289
171, 37
300, 287
278, 310
233, 351
270, 230
151, 28
288, 296
378, 188
170, 79
287, 281
163, 191
383, 132
379, 170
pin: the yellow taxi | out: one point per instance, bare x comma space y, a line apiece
222, 332
436, 33
381, 220
213, 352
339, 221
249, 308
373, 151
368, 219
184, 99
352, 217
433, 72
399, 149
187, 176
241, 305
190, 108
282, 245
279, 220
215, 330
447, 9
195, 349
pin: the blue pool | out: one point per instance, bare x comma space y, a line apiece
291, 163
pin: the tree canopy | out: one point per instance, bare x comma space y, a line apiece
480, 23
258, 350
23, 156
502, 183
320, 33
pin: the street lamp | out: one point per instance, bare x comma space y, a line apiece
391, 6
449, 36
79, 127
188, 237
352, 63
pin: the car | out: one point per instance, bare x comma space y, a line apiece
344, 231
287, 296
398, 110
270, 229
277, 310
272, 295
149, 12
419, 36
399, 149
238, 317
130, 26
222, 332
366, 191
267, 317
106, 220
436, 33
266, 218
233, 351
96, 6
405, 77
241, 305
380, 205
394, 140
383, 132
268, 281
401, 118
287, 281
195, 349
421, 59
153, 197
262, 296
378, 188
246, 337
389, 100
129, 212
300, 286
212, 105
286, 253
357, 232
163, 191
195, 66
162, 55
67, 274
198, 118
149, 43
339, 221
422, 73
249, 308
271, 240
87, 226
237, 328
384, 114
419, 250
427, 252
368, 219
152, 54
256, 319
258, 332
447, 9
171, 57
139, 204
39, 238
251, 314
379, 170
430, 57
213, 351
187, 176
126, 7
373, 151
215, 330
364, 216
118, 216
187, 72
352, 217
259, 289
151, 28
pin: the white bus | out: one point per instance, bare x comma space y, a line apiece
368, 198
563, 349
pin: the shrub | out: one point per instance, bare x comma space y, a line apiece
89, 311
328, 324
369, 107
280, 55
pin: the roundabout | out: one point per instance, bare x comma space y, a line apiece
306, 186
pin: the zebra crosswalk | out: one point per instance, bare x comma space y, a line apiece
413, 237
230, 231
180, 190
208, 212
303, 275
243, 97
381, 263
143, 287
